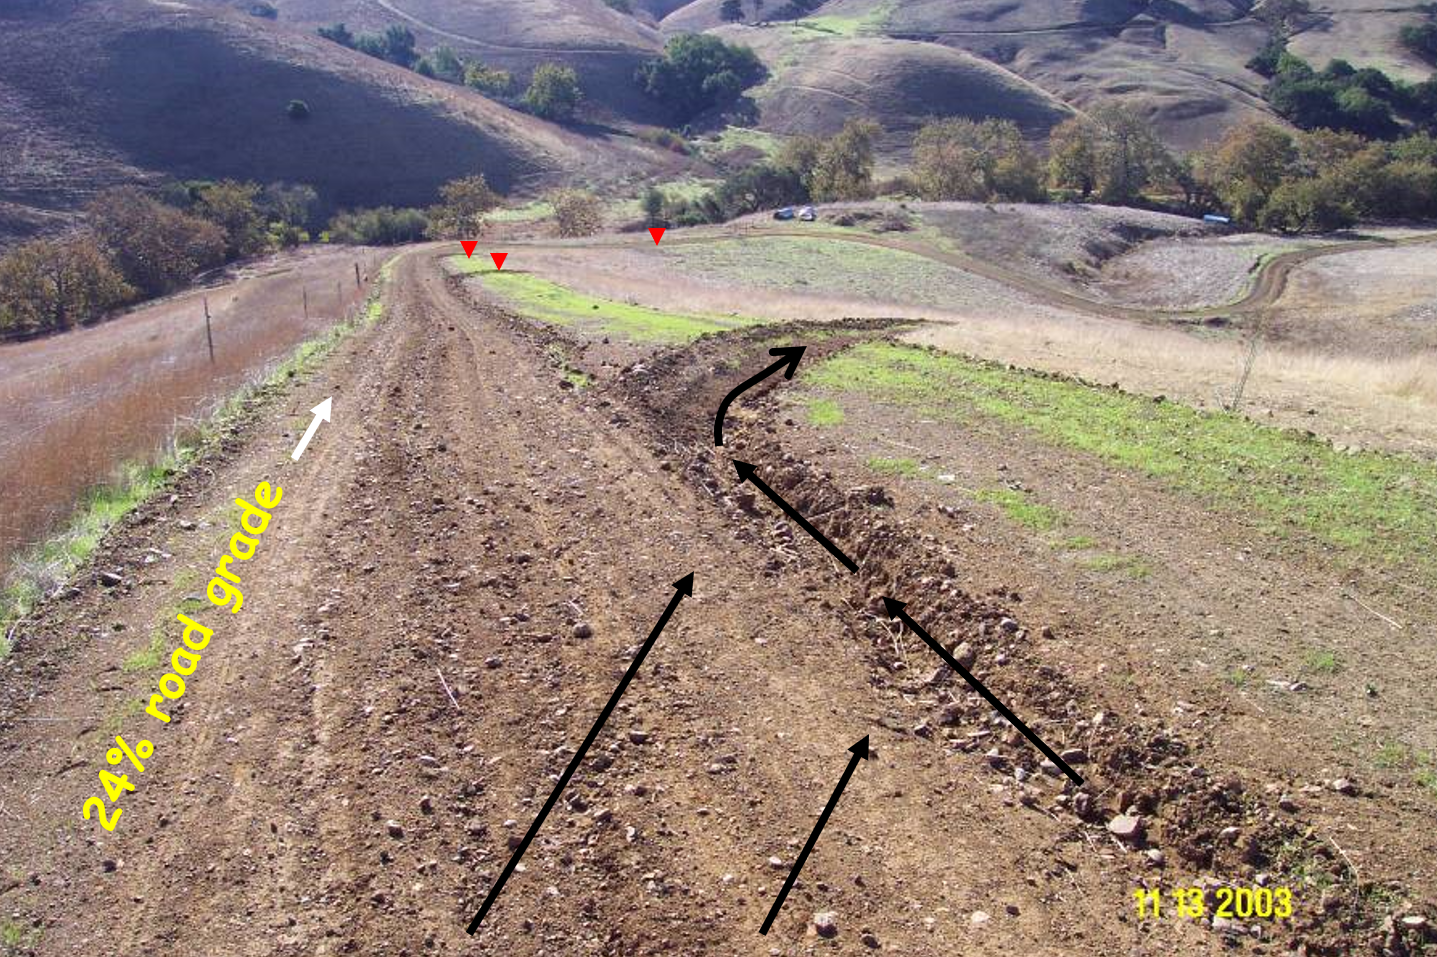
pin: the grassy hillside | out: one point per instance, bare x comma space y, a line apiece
132, 90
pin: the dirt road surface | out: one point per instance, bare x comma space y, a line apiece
459, 570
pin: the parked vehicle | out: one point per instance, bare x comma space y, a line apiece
785, 214
807, 214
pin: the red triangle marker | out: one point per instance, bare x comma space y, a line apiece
498, 259
469, 246
657, 232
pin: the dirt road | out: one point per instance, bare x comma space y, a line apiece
450, 590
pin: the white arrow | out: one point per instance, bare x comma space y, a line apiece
321, 413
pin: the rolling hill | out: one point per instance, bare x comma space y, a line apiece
96, 94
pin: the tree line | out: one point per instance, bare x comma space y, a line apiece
138, 244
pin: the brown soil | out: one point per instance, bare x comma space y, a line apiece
464, 512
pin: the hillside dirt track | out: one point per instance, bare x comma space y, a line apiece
465, 513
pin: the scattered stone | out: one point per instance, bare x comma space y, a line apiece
394, 828
1156, 858
109, 579
1343, 786
429, 761
1286, 803
583, 630
639, 737
493, 662
826, 924
108, 866
1009, 625
1011, 910
869, 939
978, 918
965, 655
1126, 827
1414, 922
1074, 756
776, 863
603, 814
1050, 768
939, 676
426, 805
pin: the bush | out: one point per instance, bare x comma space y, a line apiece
764, 186
461, 209
265, 10
578, 212
1306, 205
155, 247
381, 226
652, 204
488, 80
1421, 40
339, 33
731, 11
699, 72
554, 92
50, 286
668, 139
297, 110
442, 63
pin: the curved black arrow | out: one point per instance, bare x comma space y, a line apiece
684, 586
860, 750
747, 473
895, 610
791, 355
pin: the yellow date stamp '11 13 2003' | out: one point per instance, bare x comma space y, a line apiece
1230, 903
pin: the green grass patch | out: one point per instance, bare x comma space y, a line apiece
1238, 678
824, 264
1077, 543
148, 658
1369, 505
1021, 509
531, 212
906, 468
58, 557
550, 302
870, 23
824, 412
1321, 663
1124, 564
1395, 756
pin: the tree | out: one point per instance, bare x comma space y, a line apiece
554, 92
763, 186
653, 206
800, 154
1247, 166
1306, 205
1073, 156
399, 46
731, 11
49, 286
488, 80
845, 166
339, 33
1130, 156
231, 206
988, 160
699, 72
461, 209
290, 203
156, 248
578, 212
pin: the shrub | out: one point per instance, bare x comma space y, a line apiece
1421, 40
763, 186
267, 11
289, 203
49, 286
652, 204
297, 110
488, 80
442, 63
668, 139
699, 72
578, 212
155, 247
731, 11
381, 226
338, 33
554, 92
461, 209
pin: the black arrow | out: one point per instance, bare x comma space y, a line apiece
791, 355
746, 473
860, 750
684, 586
895, 610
